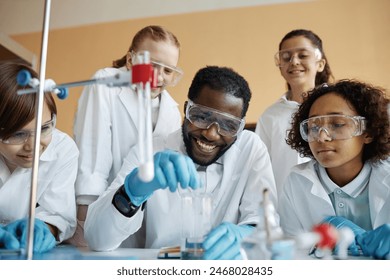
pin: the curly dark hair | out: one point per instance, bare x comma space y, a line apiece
224, 79
369, 101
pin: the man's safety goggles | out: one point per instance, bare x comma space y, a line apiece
21, 136
204, 117
284, 57
336, 127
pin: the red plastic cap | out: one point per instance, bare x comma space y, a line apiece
143, 73
329, 235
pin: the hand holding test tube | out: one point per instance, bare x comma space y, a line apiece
170, 168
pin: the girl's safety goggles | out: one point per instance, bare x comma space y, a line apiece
21, 136
284, 57
204, 117
171, 74
337, 127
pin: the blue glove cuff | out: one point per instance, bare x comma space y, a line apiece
131, 182
340, 222
246, 230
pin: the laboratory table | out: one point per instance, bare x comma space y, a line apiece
69, 252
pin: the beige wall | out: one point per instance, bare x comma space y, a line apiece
355, 33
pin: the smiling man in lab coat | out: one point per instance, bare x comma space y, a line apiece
237, 167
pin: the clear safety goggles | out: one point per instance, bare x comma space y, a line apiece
284, 57
336, 127
204, 117
21, 136
171, 74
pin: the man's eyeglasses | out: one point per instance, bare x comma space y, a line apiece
204, 117
21, 136
284, 57
170, 74
337, 127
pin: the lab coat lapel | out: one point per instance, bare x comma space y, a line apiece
315, 193
130, 101
218, 182
316, 187
213, 176
379, 196
164, 116
14, 195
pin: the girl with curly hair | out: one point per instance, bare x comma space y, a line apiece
344, 128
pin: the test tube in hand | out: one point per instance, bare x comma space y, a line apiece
142, 79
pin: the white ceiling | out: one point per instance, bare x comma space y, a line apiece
25, 16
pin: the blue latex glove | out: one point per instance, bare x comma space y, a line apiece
43, 238
340, 222
170, 168
7, 240
376, 243
224, 241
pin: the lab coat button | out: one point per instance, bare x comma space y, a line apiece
341, 205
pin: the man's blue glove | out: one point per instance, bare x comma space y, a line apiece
43, 238
170, 168
224, 241
7, 240
376, 243
340, 222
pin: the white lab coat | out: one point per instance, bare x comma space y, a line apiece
272, 127
236, 182
106, 128
55, 187
305, 203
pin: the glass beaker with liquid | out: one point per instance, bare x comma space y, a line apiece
196, 216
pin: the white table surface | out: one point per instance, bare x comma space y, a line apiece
122, 253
